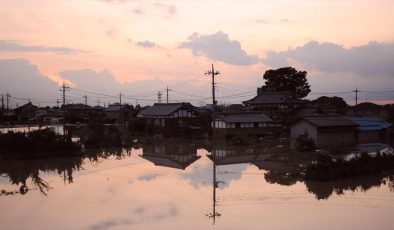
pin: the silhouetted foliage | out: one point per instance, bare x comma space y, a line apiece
36, 144
286, 79
327, 169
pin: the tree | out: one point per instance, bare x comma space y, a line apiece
286, 79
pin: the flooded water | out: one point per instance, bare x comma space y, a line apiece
178, 186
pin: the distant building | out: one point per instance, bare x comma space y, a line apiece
276, 105
327, 131
245, 124
26, 112
371, 129
368, 109
77, 112
170, 118
119, 113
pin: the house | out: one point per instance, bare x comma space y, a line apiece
170, 118
371, 129
172, 155
328, 132
77, 112
119, 113
276, 105
26, 112
245, 124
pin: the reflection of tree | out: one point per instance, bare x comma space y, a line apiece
323, 190
20, 171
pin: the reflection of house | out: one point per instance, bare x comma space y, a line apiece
26, 112
371, 129
173, 155
170, 118
326, 131
274, 104
119, 113
229, 125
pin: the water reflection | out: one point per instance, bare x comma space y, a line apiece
170, 154
167, 174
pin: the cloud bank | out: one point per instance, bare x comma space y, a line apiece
370, 60
11, 46
219, 46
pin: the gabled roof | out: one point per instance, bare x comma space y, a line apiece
370, 123
114, 108
279, 97
329, 121
76, 107
159, 109
244, 117
27, 106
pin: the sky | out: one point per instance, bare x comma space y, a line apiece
104, 48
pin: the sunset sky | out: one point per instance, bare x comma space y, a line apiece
140, 47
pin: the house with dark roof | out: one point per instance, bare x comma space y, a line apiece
242, 124
328, 132
77, 112
26, 112
118, 113
172, 155
371, 129
368, 109
170, 118
276, 105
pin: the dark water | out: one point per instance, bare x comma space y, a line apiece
177, 186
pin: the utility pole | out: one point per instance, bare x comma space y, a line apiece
57, 102
120, 99
64, 89
8, 101
356, 91
167, 93
86, 104
2, 102
98, 102
214, 214
159, 97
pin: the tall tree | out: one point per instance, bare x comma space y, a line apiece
286, 79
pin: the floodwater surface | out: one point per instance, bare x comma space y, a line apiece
149, 188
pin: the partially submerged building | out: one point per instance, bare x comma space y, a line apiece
371, 129
328, 132
118, 113
245, 124
170, 118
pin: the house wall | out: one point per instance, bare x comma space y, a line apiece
336, 138
300, 128
373, 136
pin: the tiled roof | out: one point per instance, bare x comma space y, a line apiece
273, 98
163, 109
244, 117
370, 123
114, 108
329, 121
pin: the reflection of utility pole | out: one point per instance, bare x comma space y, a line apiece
214, 214
167, 89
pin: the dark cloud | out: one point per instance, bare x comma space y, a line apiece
219, 47
23, 80
170, 9
12, 46
371, 60
146, 44
90, 80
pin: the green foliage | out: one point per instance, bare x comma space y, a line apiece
286, 79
